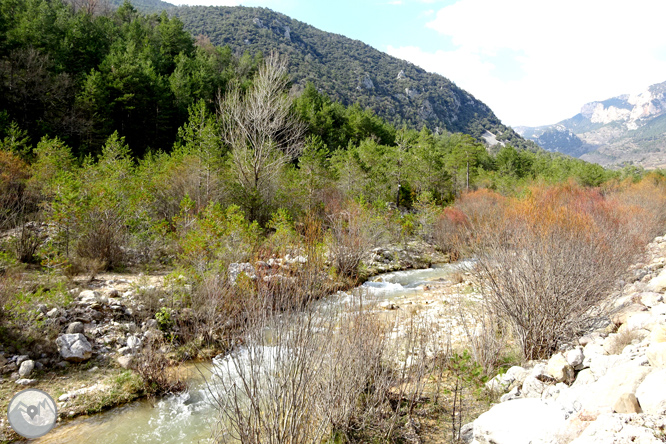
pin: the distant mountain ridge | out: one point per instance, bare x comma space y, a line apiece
352, 72
627, 129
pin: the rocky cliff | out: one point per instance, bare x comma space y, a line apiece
628, 129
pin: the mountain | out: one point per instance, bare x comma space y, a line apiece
145, 6
627, 129
351, 72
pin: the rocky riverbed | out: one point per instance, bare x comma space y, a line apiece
610, 387
90, 344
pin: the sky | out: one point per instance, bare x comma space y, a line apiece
534, 62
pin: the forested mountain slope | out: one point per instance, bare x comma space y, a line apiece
350, 71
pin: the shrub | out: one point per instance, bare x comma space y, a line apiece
214, 238
354, 231
547, 261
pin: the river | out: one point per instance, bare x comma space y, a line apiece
190, 417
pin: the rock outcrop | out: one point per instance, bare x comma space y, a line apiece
611, 387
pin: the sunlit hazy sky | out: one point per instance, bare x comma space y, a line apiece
534, 62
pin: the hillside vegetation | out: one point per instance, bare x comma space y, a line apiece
350, 71
141, 149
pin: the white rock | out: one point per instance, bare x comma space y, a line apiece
658, 284
521, 421
74, 347
26, 368
576, 357
134, 343
651, 393
600, 364
656, 354
650, 299
559, 369
610, 428
601, 395
644, 319
584, 377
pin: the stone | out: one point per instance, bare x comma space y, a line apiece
656, 354
22, 358
651, 393
54, 312
609, 428
467, 430
559, 369
644, 320
24, 381
657, 284
627, 403
601, 364
521, 421
625, 312
576, 357
602, 395
514, 393
584, 377
134, 343
26, 368
650, 299
74, 347
658, 334
125, 361
75, 327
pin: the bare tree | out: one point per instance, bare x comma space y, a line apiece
262, 132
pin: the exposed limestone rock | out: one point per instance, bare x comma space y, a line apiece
74, 347
522, 421
627, 403
559, 369
652, 393
575, 358
656, 354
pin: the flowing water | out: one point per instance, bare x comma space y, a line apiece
190, 417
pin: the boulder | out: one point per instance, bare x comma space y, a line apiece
658, 334
658, 284
521, 421
656, 354
627, 311
609, 428
584, 377
74, 347
575, 358
134, 343
602, 395
75, 327
125, 361
26, 368
559, 369
650, 299
627, 403
644, 320
652, 393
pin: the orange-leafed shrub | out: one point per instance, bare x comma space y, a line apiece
448, 231
548, 260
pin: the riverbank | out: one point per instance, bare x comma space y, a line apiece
609, 386
92, 342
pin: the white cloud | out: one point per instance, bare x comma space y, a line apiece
569, 52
